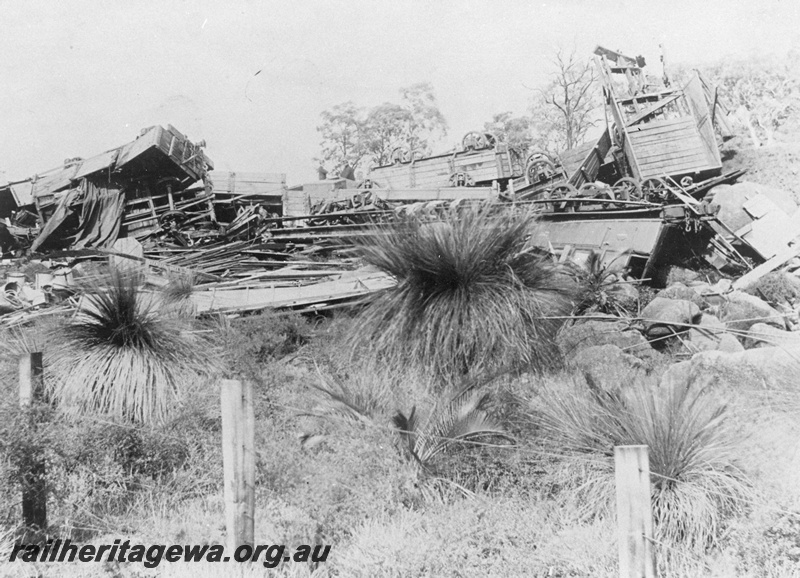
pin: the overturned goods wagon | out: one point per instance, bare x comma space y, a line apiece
481, 160
658, 137
127, 191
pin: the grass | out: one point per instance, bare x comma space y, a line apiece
357, 491
776, 287
472, 296
697, 482
120, 356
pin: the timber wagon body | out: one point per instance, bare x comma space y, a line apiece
659, 139
662, 131
481, 161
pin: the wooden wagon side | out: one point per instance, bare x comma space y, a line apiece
476, 166
663, 131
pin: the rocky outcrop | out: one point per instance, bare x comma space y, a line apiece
763, 335
731, 199
681, 292
764, 367
608, 330
664, 317
609, 367
741, 311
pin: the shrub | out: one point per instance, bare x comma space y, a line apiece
601, 287
244, 345
119, 356
472, 296
696, 481
776, 287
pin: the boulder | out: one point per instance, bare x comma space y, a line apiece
741, 311
763, 335
765, 367
729, 344
664, 317
682, 292
731, 198
607, 331
609, 367
681, 275
708, 334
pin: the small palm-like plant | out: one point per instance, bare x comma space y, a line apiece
600, 290
695, 479
472, 297
120, 356
462, 420
357, 404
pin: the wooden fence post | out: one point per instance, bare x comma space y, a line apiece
34, 488
634, 512
238, 458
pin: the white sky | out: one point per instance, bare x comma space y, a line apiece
80, 77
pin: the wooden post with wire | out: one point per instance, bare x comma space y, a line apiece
34, 488
634, 512
238, 459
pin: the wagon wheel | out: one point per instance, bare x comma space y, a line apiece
172, 218
461, 179
602, 193
490, 140
474, 141
562, 191
536, 167
588, 190
627, 189
655, 190
399, 155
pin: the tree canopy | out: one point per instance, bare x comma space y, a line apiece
566, 108
515, 131
360, 137
762, 93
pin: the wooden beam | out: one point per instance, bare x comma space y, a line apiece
34, 487
652, 109
238, 459
634, 512
767, 267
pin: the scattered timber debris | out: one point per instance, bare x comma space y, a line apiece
646, 190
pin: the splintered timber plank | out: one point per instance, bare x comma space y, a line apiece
350, 285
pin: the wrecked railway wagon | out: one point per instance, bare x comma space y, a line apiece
659, 131
481, 161
657, 137
127, 191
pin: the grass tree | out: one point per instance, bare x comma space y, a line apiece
120, 355
696, 482
472, 297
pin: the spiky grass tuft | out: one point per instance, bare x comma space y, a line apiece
600, 289
472, 296
696, 482
120, 356
179, 288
